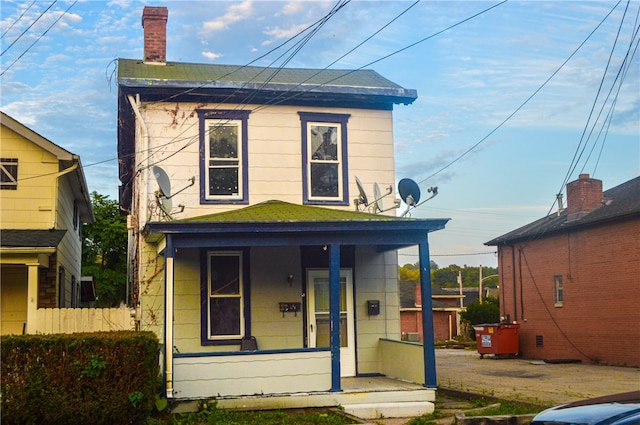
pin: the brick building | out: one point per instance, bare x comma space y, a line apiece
571, 279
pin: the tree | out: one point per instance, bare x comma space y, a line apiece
104, 251
486, 312
412, 271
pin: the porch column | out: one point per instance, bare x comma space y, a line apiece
430, 379
168, 316
334, 315
32, 298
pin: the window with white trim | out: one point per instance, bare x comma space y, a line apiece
558, 291
225, 295
223, 144
8, 173
324, 162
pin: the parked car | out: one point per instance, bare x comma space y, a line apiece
616, 409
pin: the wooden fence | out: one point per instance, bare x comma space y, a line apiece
71, 320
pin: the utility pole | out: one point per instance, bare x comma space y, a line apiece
460, 286
480, 286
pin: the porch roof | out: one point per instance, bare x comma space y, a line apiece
277, 223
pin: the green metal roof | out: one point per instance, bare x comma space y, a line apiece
207, 77
208, 72
284, 212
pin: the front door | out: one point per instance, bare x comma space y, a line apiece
319, 324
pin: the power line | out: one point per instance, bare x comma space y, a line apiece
38, 39
18, 19
28, 28
511, 115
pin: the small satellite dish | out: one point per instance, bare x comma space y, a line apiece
409, 192
163, 181
362, 199
378, 198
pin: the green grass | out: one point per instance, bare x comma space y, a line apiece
210, 414
505, 409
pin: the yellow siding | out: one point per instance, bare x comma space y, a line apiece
13, 299
32, 205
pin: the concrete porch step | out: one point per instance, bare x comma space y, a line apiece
403, 409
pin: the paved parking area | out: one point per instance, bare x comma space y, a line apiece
530, 381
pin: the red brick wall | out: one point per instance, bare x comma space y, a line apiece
599, 321
47, 291
411, 321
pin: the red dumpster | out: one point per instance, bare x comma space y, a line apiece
498, 339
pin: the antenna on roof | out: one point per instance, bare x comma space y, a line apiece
410, 194
379, 206
164, 195
362, 195
376, 205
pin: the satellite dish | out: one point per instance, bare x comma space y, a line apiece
362, 199
378, 198
163, 181
409, 192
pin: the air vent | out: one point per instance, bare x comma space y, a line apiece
539, 341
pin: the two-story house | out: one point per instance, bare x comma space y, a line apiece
570, 279
44, 198
245, 231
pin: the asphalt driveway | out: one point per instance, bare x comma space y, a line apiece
530, 380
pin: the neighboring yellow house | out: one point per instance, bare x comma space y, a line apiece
44, 201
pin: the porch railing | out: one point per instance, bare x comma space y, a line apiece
72, 320
402, 360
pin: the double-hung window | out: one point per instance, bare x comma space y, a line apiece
223, 147
8, 173
324, 158
224, 298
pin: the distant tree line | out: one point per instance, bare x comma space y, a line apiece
447, 277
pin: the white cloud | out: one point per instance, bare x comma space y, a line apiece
211, 55
293, 7
235, 13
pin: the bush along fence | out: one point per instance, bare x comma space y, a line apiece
97, 378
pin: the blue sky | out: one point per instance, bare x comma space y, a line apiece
472, 81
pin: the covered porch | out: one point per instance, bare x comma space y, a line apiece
358, 253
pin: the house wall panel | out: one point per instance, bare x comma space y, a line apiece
13, 299
599, 320
33, 202
280, 373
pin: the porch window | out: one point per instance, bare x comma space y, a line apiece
558, 291
324, 158
223, 146
8, 173
225, 296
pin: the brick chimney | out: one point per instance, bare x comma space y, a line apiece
584, 195
154, 22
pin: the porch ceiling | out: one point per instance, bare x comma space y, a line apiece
277, 223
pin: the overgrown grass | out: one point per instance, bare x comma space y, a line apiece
210, 414
505, 409
428, 419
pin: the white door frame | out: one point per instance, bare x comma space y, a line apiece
348, 352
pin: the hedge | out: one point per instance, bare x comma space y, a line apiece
90, 378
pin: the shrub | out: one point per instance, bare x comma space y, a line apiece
97, 378
479, 313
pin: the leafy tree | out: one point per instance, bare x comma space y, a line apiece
412, 271
104, 251
486, 312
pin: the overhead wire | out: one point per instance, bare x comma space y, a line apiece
28, 28
38, 39
523, 104
17, 19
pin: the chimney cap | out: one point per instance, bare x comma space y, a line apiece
154, 12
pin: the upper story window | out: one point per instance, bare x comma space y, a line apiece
223, 156
324, 158
8, 173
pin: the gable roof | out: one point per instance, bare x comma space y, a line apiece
274, 85
619, 203
66, 160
